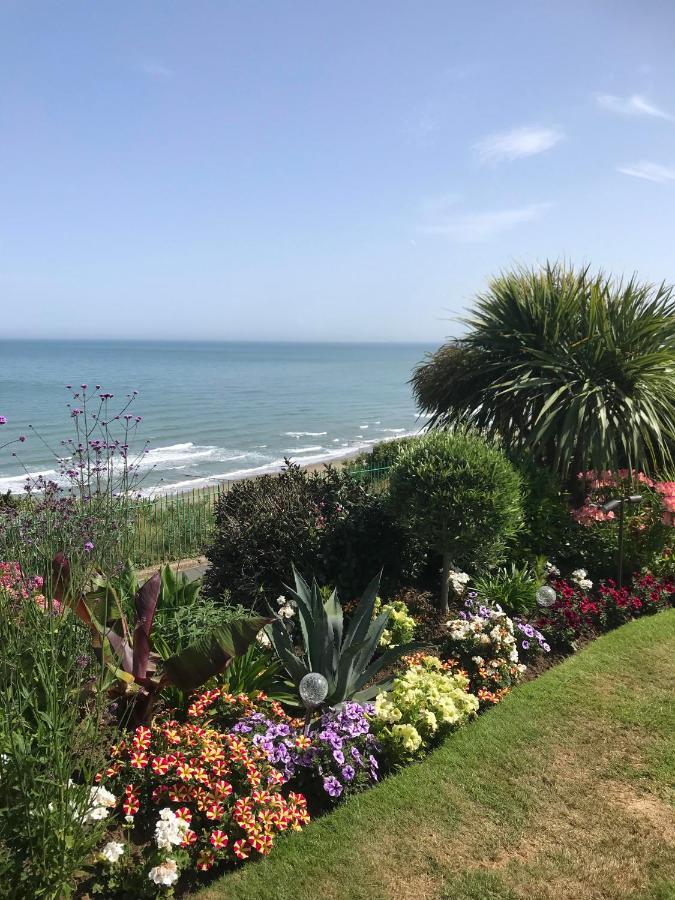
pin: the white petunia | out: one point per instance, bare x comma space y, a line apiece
165, 874
112, 851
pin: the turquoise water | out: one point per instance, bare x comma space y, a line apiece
211, 411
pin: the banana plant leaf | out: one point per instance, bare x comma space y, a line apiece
208, 656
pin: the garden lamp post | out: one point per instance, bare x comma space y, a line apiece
313, 691
620, 504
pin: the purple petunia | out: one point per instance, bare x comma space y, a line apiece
339, 757
348, 773
525, 645
332, 786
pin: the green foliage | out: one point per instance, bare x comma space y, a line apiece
343, 657
51, 731
578, 368
326, 523
513, 588
461, 495
258, 670
546, 524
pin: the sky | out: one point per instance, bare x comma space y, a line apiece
322, 171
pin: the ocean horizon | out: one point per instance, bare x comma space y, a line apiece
211, 410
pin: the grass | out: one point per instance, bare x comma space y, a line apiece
565, 790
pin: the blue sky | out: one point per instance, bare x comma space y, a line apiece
315, 170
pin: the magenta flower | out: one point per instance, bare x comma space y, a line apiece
3, 420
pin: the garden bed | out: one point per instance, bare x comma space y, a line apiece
563, 790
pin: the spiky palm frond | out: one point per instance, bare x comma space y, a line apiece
578, 368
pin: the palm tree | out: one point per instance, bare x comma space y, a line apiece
577, 368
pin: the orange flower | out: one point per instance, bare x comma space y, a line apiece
138, 759
240, 849
184, 813
205, 860
219, 840
215, 811
141, 739
302, 742
222, 788
130, 805
220, 768
160, 765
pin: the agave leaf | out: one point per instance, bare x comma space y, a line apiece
363, 614
207, 657
388, 657
369, 693
283, 646
334, 619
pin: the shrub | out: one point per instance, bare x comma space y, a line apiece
425, 703
462, 497
52, 726
191, 797
514, 589
326, 523
546, 523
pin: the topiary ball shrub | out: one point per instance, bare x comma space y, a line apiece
461, 496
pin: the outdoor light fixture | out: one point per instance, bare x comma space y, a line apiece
313, 691
620, 504
546, 596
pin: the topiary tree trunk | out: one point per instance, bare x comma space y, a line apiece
445, 583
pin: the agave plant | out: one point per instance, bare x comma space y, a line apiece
575, 367
343, 657
128, 652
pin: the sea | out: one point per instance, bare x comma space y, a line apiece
210, 411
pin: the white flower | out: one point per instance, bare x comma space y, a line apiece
112, 851
458, 581
262, 638
287, 611
95, 814
552, 570
99, 796
281, 600
478, 660
169, 830
580, 578
165, 874
100, 801
129, 820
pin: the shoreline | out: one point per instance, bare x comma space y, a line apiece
160, 492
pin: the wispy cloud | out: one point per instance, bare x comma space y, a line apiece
634, 105
517, 143
155, 69
650, 171
472, 227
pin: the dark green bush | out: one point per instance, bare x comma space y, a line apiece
328, 524
461, 496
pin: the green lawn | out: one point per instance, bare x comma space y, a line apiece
566, 790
